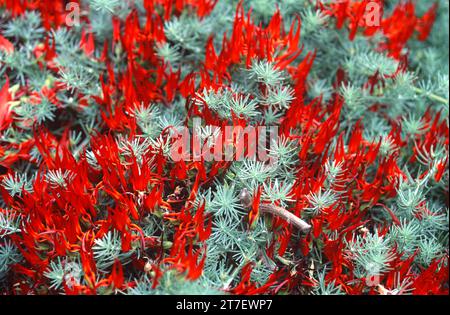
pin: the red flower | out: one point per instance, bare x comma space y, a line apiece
5, 109
6, 45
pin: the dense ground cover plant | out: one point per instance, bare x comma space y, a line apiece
92, 92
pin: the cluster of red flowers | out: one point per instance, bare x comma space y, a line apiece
397, 28
63, 219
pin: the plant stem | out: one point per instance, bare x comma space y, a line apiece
286, 215
246, 200
431, 96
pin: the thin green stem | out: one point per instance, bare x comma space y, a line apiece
431, 96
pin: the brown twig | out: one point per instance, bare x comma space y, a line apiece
289, 217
